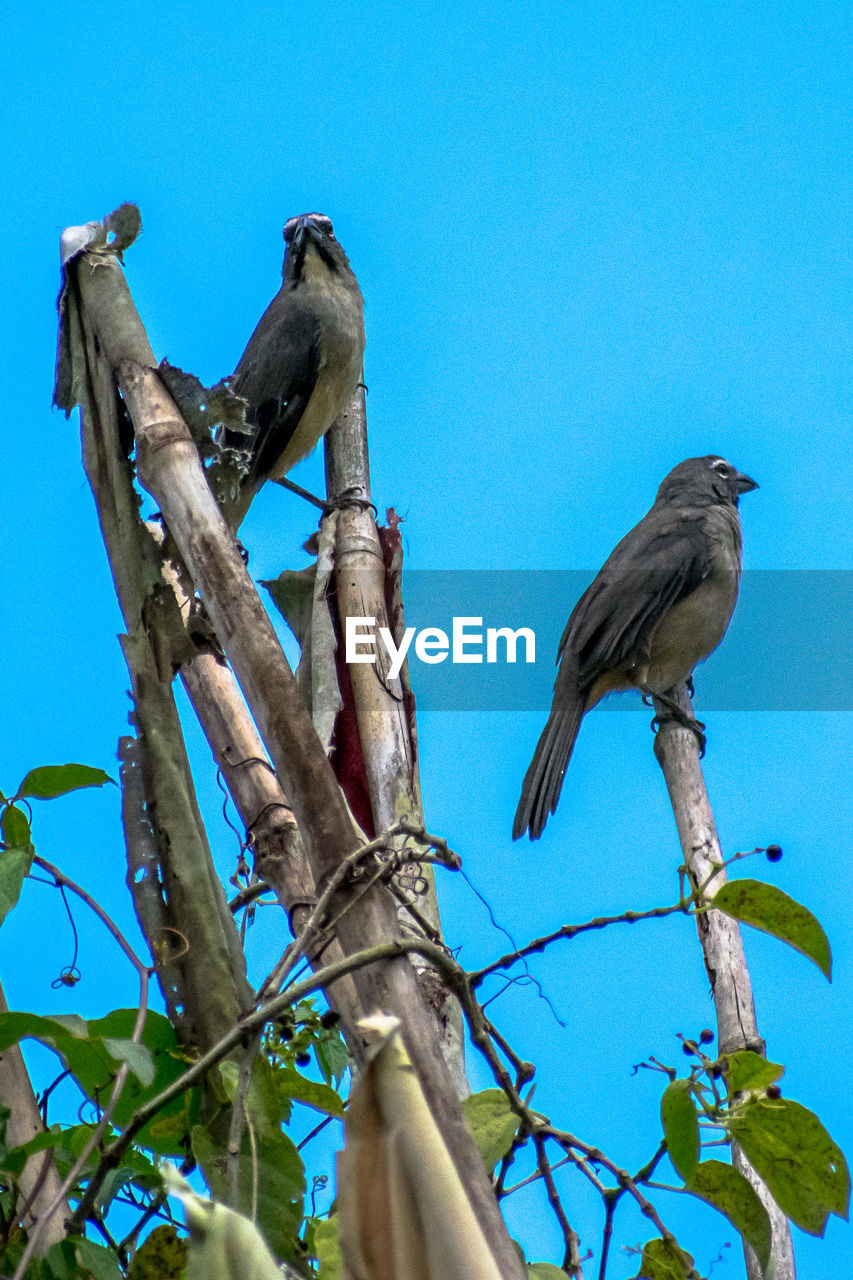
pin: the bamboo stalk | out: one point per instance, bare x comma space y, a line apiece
39, 1183
169, 468
208, 982
384, 712
677, 753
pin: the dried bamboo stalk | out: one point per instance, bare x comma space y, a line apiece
39, 1183
208, 982
382, 710
169, 468
677, 754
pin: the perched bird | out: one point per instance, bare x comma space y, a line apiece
302, 363
661, 604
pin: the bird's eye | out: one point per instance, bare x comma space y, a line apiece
721, 469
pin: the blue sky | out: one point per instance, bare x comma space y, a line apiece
593, 240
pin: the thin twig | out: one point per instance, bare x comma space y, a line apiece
534, 1177
610, 1201
301, 942
62, 879
571, 1255
318, 1128
688, 903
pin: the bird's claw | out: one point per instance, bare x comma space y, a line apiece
674, 715
350, 498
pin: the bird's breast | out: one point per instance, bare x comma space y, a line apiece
336, 313
689, 632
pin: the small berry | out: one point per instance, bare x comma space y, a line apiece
302, 1059
688, 1047
329, 1019
773, 853
773, 1091
706, 1035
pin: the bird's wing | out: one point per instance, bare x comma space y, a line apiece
663, 559
277, 374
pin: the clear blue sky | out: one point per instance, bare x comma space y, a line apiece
593, 240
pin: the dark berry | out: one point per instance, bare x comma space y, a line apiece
773, 853
773, 1091
302, 1059
706, 1035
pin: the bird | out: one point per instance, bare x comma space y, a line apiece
660, 604
303, 361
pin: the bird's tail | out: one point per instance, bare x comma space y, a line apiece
543, 781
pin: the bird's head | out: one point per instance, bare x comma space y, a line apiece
307, 235
705, 480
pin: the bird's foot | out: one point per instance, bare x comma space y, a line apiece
676, 714
351, 498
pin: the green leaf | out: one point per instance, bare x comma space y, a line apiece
96, 1261
85, 1050
15, 827
61, 1261
14, 1160
665, 1260
53, 780
327, 1249
271, 1169
729, 1191
768, 908
681, 1127
17, 1026
545, 1271
135, 1169
73, 1024
298, 1088
788, 1147
137, 1056
263, 1102
161, 1256
332, 1057
748, 1070
492, 1123
166, 1133
14, 868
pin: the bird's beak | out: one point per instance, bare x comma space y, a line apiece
744, 484
306, 228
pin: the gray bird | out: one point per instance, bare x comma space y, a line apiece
302, 363
661, 603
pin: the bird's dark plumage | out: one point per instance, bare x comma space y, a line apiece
661, 604
302, 363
